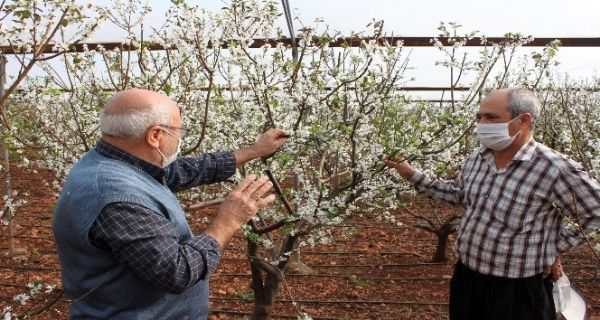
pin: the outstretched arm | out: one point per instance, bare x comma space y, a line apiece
189, 172
239, 207
266, 145
451, 191
148, 243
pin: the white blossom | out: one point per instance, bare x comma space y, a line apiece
22, 298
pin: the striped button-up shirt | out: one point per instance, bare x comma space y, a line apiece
512, 225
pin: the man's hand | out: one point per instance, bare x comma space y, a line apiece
239, 207
270, 141
401, 165
245, 200
554, 271
266, 145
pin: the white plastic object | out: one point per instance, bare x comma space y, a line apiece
567, 300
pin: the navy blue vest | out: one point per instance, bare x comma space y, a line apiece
110, 290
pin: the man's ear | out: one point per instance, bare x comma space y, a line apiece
526, 119
153, 135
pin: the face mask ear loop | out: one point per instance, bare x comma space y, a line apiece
162, 156
515, 118
165, 159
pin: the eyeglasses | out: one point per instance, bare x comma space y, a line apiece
182, 130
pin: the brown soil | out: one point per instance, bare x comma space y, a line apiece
372, 270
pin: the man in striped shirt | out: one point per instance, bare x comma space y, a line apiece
515, 192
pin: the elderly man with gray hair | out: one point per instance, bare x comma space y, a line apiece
125, 247
514, 191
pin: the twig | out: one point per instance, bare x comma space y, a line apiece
279, 191
204, 204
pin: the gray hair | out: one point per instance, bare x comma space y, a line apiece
132, 124
520, 101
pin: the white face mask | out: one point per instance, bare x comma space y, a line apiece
166, 161
495, 136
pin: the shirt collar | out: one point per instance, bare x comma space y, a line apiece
112, 152
525, 153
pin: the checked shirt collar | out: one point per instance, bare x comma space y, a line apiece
525, 153
112, 152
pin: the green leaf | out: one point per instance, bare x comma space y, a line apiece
288, 230
168, 88
254, 237
333, 212
23, 14
336, 101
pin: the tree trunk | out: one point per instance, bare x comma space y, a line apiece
265, 290
8, 213
260, 312
265, 296
296, 265
441, 254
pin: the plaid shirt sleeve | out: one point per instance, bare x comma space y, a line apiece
579, 195
451, 191
147, 243
189, 172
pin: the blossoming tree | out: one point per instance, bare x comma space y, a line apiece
342, 106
